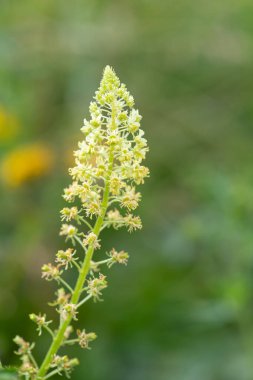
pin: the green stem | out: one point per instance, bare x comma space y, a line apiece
66, 284
101, 262
32, 359
71, 341
76, 265
87, 223
54, 372
59, 336
84, 300
80, 242
49, 331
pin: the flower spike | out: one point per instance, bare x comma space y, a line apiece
108, 169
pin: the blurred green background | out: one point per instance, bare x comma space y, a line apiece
183, 308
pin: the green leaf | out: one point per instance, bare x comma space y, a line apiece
8, 374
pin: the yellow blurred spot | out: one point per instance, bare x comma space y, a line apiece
26, 163
8, 125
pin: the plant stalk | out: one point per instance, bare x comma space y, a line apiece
59, 337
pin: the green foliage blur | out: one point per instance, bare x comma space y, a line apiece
183, 308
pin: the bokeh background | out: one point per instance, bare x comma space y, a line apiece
183, 308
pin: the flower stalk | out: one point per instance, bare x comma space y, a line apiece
107, 164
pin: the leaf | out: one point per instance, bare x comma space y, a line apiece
8, 374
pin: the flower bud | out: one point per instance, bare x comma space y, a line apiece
50, 272
95, 285
40, 320
85, 338
69, 310
65, 258
91, 239
118, 257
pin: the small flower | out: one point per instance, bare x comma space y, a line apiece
133, 222
27, 369
50, 272
91, 239
86, 128
126, 155
69, 310
71, 192
115, 219
134, 121
95, 285
64, 364
62, 298
69, 214
65, 258
116, 184
85, 338
24, 347
40, 320
117, 257
130, 198
68, 332
139, 173
69, 231
93, 208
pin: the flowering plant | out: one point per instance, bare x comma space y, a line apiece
107, 168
